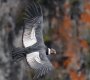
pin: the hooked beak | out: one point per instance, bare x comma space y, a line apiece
52, 51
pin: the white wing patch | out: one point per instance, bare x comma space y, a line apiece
32, 57
29, 38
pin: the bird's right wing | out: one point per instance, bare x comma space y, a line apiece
33, 15
39, 63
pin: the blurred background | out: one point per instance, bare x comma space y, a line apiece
66, 29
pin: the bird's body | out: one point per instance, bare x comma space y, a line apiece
34, 47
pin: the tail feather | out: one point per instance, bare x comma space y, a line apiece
18, 54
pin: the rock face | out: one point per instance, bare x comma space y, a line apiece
9, 10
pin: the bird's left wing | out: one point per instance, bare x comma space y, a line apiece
33, 18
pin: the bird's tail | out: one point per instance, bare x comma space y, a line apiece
32, 12
18, 54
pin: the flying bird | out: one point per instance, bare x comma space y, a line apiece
34, 48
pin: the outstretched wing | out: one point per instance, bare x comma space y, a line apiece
33, 15
39, 63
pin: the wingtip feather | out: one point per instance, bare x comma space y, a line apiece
32, 11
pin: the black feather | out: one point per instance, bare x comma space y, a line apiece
32, 11
18, 54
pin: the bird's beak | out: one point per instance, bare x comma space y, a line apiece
52, 51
